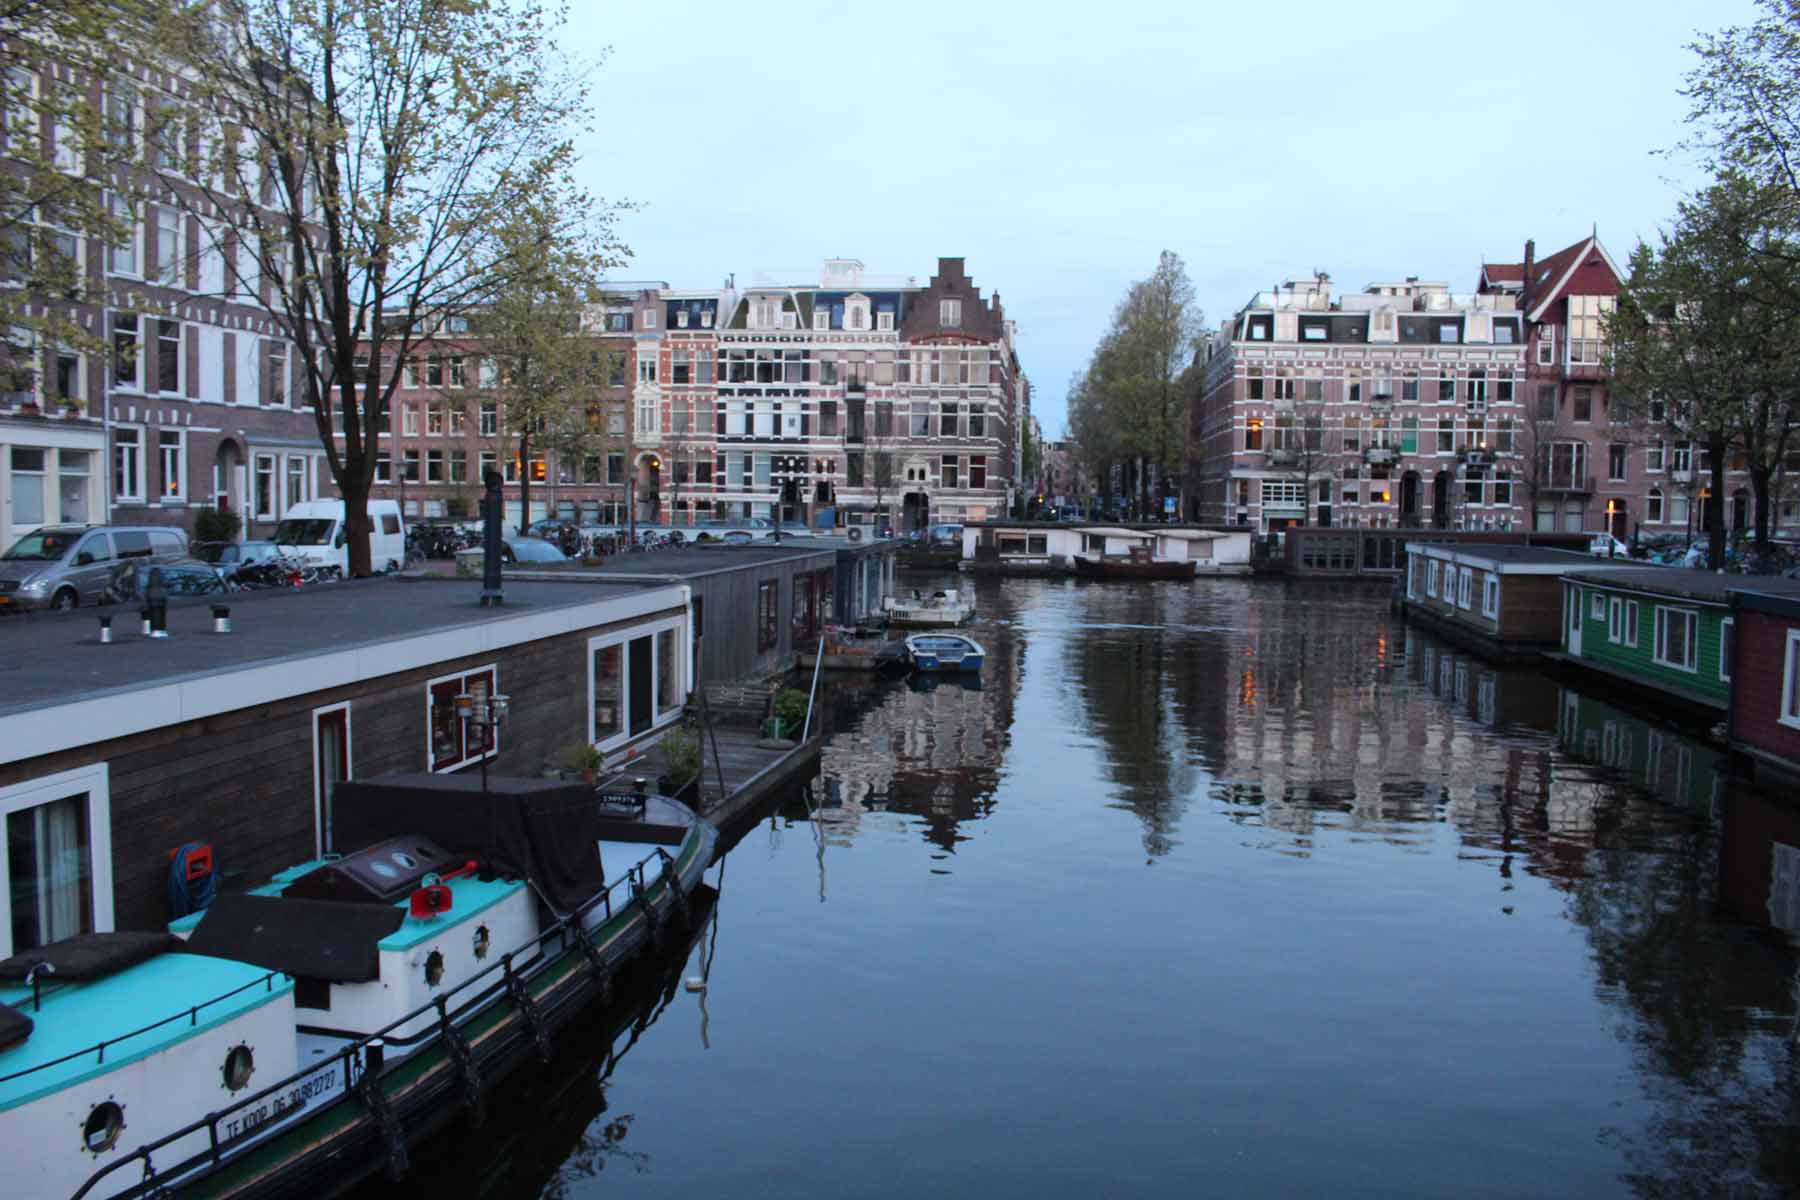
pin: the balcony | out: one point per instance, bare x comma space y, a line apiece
1379, 455
1281, 458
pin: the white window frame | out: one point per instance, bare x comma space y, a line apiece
171, 274
1726, 646
162, 473
1465, 579
431, 766
319, 832
1631, 623
1431, 577
950, 313
48, 789
821, 319
135, 496
1664, 613
660, 718
1790, 682
1615, 621
1490, 596
1597, 609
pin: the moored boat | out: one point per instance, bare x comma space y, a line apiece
940, 610
944, 652
1132, 566
310, 1031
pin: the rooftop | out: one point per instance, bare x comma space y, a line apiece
689, 562
1538, 555
1692, 583
342, 631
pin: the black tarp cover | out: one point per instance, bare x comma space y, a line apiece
334, 940
15, 1026
89, 955
543, 829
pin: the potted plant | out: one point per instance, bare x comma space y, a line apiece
790, 712
585, 759
681, 760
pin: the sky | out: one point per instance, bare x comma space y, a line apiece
1059, 150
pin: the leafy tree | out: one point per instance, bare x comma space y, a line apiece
1744, 97
360, 162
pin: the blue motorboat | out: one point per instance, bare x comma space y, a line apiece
944, 652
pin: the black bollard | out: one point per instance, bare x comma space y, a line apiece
156, 604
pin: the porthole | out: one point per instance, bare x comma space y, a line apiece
101, 1131
482, 938
240, 1064
434, 968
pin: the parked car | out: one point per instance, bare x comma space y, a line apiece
183, 577
234, 556
1605, 545
61, 566
530, 550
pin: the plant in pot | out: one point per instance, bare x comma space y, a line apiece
790, 712
681, 760
584, 759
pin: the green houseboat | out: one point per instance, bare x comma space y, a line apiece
1664, 628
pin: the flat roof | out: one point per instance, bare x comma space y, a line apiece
687, 562
341, 632
1691, 582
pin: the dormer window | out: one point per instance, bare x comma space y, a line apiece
763, 312
884, 320
649, 318
790, 320
950, 314
821, 319
856, 313
706, 318
681, 318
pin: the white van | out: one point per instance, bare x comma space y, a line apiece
315, 531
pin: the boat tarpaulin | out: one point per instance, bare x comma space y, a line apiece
543, 829
335, 940
15, 1026
88, 956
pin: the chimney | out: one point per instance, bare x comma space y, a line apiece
1530, 266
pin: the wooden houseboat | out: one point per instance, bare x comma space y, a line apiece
1764, 723
1500, 601
1664, 630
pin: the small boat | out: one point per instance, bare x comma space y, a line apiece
854, 649
944, 652
1132, 566
940, 610
317, 1026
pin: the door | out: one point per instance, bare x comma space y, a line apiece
1409, 498
92, 577
331, 766
1572, 597
1440, 500
637, 672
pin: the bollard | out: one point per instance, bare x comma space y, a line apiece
221, 619
105, 631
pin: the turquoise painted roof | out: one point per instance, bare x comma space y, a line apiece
77, 1016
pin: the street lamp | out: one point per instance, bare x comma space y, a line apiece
486, 711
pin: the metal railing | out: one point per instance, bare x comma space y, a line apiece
812, 693
355, 1052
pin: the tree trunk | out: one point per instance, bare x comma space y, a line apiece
356, 520
1715, 511
524, 482
1761, 487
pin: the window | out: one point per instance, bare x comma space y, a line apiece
1490, 597
768, 631
296, 480
1584, 404
27, 486
1546, 347
459, 466
950, 313
458, 373
122, 258
169, 447
409, 465
607, 686
384, 467
1676, 635
1615, 621
434, 466
1447, 388
125, 350
128, 464
275, 354
1448, 332
489, 421
1727, 645
1464, 581
59, 859
1615, 462
451, 741
265, 487
978, 471
1431, 577
1790, 681
1653, 506
1631, 623
1598, 607
1587, 316
166, 266
947, 472
647, 369
168, 356
1477, 390
1546, 402
487, 461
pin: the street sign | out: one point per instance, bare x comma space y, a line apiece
1169, 504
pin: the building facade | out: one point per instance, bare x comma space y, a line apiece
187, 396
1399, 406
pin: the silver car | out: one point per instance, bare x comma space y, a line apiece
61, 566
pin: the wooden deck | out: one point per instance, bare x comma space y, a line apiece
752, 770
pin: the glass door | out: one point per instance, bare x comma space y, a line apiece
331, 766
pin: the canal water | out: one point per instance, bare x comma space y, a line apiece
1221, 888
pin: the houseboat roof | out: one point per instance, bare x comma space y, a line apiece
64, 688
1114, 531
1690, 583
1758, 598
1516, 560
692, 562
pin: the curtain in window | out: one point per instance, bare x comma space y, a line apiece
47, 855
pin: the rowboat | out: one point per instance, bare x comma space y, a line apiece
944, 652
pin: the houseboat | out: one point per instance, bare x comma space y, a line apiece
314, 1027
1114, 552
1666, 631
1764, 725
939, 610
1503, 602
944, 652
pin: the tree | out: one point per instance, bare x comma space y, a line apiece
360, 162
879, 457
1315, 449
1685, 345
57, 61
1744, 98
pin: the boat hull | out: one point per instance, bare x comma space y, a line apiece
1088, 567
339, 1144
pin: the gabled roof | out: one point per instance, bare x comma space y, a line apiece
1501, 275
1552, 274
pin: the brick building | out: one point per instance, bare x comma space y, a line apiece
195, 401
1400, 405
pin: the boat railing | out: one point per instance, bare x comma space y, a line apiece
191, 1016
567, 929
